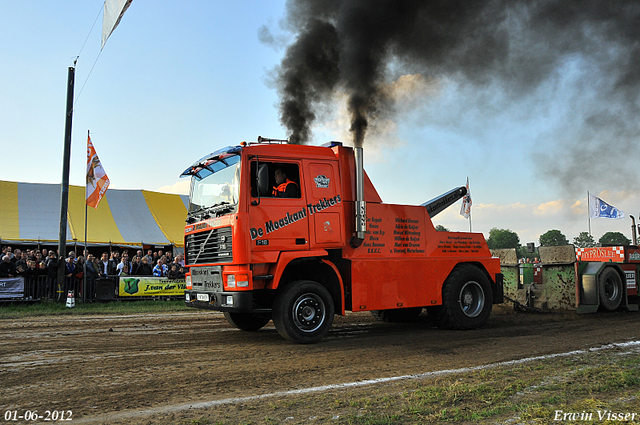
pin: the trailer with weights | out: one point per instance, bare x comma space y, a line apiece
567, 278
330, 246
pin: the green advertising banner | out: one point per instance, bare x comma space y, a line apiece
145, 286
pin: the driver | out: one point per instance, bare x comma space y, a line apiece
285, 188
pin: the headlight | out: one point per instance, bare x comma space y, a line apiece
188, 282
187, 297
231, 281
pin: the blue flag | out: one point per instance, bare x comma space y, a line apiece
599, 208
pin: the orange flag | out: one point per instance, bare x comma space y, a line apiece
97, 180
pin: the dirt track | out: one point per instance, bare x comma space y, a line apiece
100, 367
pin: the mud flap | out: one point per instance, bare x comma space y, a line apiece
498, 289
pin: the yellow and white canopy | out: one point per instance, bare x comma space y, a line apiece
31, 212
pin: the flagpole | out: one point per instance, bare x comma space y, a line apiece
86, 251
589, 212
470, 221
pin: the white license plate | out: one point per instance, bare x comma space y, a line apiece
202, 297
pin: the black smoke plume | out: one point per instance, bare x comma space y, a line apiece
355, 46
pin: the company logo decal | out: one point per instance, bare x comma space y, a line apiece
322, 181
289, 218
634, 256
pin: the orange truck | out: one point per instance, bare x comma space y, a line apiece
297, 234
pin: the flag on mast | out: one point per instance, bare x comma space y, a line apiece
113, 11
599, 208
465, 210
97, 180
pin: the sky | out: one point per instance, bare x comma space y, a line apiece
176, 81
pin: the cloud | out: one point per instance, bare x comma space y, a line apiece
181, 187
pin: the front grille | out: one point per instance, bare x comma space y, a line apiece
217, 247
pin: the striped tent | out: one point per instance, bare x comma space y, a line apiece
31, 212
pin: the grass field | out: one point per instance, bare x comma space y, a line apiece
44, 308
599, 387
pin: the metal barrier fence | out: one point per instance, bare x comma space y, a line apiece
36, 288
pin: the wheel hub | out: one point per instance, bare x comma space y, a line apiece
471, 299
308, 312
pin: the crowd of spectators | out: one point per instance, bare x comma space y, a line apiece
42, 265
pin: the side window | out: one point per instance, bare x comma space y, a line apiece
283, 180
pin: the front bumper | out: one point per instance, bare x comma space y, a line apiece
235, 302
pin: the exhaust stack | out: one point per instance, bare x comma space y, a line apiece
360, 204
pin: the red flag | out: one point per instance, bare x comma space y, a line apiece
97, 180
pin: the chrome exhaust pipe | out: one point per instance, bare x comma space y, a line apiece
360, 204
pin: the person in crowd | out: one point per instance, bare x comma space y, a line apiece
173, 272
144, 269
135, 263
80, 267
52, 273
124, 267
17, 255
104, 262
92, 274
70, 275
169, 257
32, 269
30, 275
149, 256
181, 273
45, 253
160, 269
20, 259
70, 267
180, 259
114, 260
7, 268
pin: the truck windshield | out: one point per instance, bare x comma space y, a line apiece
215, 188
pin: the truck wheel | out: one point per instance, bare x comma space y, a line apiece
397, 315
610, 287
303, 312
246, 321
466, 299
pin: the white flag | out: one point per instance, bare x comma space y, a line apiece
465, 210
113, 11
599, 208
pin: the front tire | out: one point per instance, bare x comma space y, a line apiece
303, 312
466, 299
610, 287
246, 321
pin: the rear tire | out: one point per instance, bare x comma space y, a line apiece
466, 299
303, 312
611, 289
246, 321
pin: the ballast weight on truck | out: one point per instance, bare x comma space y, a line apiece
333, 247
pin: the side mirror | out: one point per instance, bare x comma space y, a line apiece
263, 179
